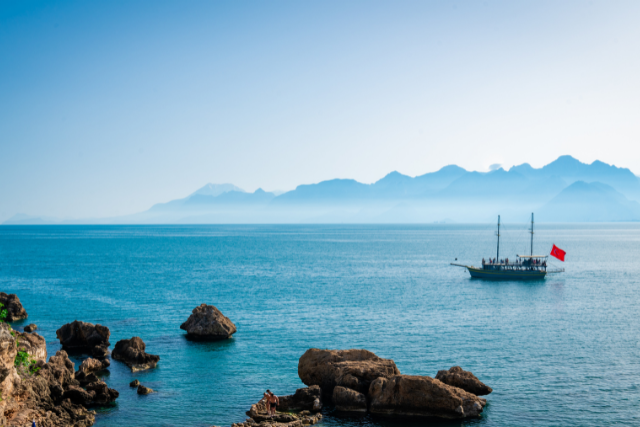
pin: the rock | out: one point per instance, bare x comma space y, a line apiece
100, 351
144, 390
84, 337
79, 395
34, 344
407, 395
465, 380
132, 353
347, 400
31, 327
93, 365
308, 398
86, 378
15, 310
134, 383
354, 369
103, 394
208, 323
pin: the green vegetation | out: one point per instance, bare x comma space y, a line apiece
22, 358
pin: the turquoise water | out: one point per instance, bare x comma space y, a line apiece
560, 352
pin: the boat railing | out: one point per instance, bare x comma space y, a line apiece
555, 270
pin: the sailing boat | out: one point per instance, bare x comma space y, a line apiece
524, 267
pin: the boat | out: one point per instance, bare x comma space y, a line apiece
524, 267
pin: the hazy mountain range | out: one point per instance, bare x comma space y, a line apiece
565, 190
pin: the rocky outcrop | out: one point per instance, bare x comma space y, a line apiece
465, 380
347, 400
208, 323
132, 353
354, 369
308, 398
15, 310
407, 395
84, 337
144, 390
93, 365
31, 327
259, 417
134, 383
33, 344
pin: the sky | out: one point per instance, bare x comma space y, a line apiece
107, 108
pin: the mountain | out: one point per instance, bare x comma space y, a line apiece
209, 190
589, 202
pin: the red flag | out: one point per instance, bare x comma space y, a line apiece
558, 253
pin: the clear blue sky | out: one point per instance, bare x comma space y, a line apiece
109, 107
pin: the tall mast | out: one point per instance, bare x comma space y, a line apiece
531, 233
498, 234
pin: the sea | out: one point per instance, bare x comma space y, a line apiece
564, 351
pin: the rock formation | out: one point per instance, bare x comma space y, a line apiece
134, 383
132, 353
407, 395
15, 310
34, 344
31, 327
308, 398
84, 337
144, 390
93, 365
347, 400
259, 417
208, 323
354, 369
465, 380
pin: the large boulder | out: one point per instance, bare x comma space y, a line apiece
408, 395
33, 343
304, 399
132, 353
208, 323
84, 337
15, 310
90, 365
354, 369
347, 400
465, 380
30, 327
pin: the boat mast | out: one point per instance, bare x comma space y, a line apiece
531, 233
498, 234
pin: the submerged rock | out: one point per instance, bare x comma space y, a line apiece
31, 327
132, 353
15, 310
84, 337
144, 390
354, 369
208, 323
457, 377
407, 395
347, 400
308, 398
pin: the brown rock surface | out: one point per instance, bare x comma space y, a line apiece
31, 327
407, 395
93, 365
134, 383
354, 369
144, 390
33, 343
15, 310
132, 353
347, 400
465, 380
83, 337
308, 398
208, 323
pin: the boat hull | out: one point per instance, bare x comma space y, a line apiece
478, 273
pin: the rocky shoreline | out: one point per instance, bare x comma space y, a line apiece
353, 381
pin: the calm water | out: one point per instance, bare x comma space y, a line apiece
565, 351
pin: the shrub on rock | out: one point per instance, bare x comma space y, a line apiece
15, 310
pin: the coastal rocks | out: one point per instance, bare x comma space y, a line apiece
207, 323
134, 383
354, 369
465, 380
102, 393
407, 395
132, 353
259, 417
31, 327
14, 308
84, 337
308, 398
34, 344
144, 390
347, 400
93, 365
